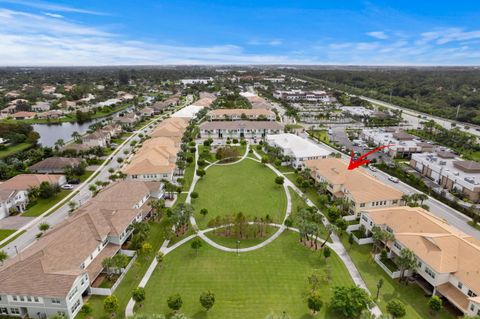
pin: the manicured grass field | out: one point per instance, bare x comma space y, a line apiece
252, 285
231, 242
412, 296
4, 233
320, 135
44, 204
248, 187
14, 149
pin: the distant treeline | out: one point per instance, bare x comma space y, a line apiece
436, 91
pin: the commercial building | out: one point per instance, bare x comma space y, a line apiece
240, 129
401, 143
52, 276
358, 187
446, 258
299, 95
450, 172
296, 148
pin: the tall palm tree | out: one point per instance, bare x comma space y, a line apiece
76, 136
406, 261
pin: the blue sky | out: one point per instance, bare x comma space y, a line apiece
108, 32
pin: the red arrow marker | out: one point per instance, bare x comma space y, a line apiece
362, 159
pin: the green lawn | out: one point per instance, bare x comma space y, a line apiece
131, 279
252, 285
11, 239
188, 176
246, 187
412, 296
86, 175
44, 204
4, 233
320, 135
10, 150
231, 242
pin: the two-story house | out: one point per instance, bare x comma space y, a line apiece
361, 189
446, 258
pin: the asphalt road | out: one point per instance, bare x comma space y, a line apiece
412, 117
452, 216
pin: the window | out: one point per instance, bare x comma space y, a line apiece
472, 307
61, 313
22, 298
430, 272
15, 298
397, 245
29, 299
365, 218
394, 202
14, 311
36, 299
419, 264
82, 266
362, 205
460, 285
56, 301
74, 291
471, 293
75, 306
4, 311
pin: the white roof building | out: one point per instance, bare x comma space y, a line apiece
357, 111
188, 111
299, 149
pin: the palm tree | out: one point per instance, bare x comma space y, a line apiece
59, 143
331, 228
76, 136
406, 261
422, 197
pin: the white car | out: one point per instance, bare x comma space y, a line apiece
372, 168
67, 187
393, 179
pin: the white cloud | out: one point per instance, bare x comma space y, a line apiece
53, 15
445, 36
274, 42
53, 41
378, 35
51, 7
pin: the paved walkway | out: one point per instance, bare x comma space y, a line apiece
336, 245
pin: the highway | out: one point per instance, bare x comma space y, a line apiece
414, 118
452, 216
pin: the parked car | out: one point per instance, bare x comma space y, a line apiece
67, 187
393, 179
372, 168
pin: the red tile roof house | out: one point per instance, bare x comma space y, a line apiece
52, 276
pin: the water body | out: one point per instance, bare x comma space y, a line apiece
50, 133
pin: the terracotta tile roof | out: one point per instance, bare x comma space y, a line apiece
50, 266
25, 181
442, 246
362, 187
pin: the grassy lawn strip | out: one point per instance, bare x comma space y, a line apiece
246, 187
252, 285
11, 239
412, 296
131, 279
44, 204
4, 233
320, 135
14, 149
188, 176
231, 242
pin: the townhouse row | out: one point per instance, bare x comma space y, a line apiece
55, 274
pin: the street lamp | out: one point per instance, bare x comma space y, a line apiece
238, 246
